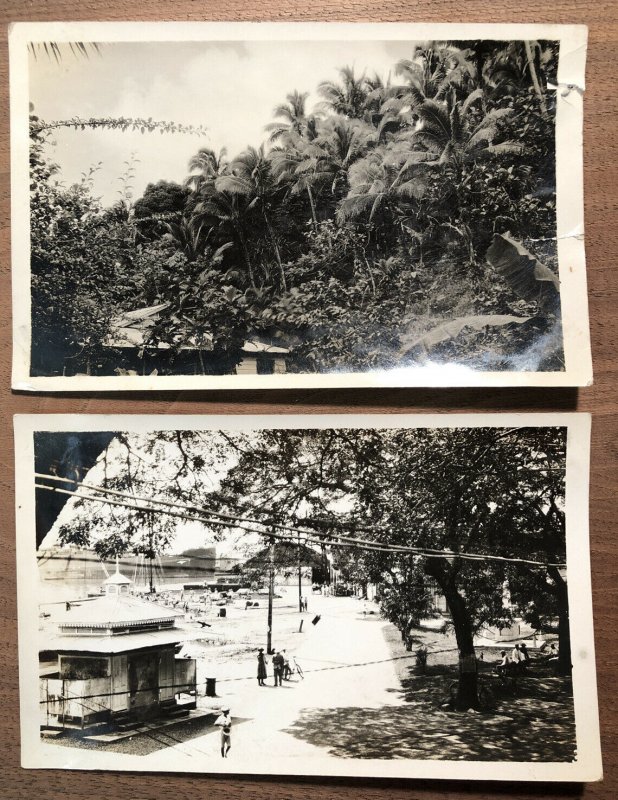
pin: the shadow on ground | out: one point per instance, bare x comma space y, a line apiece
533, 721
524, 732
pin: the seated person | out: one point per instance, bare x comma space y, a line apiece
503, 667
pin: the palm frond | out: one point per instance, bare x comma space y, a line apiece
233, 184
435, 118
473, 97
353, 207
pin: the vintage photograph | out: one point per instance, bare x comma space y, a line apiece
275, 206
363, 595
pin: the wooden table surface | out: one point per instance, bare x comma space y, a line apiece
602, 257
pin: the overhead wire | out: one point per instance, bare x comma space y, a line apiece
220, 519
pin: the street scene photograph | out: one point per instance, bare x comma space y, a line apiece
304, 597
265, 209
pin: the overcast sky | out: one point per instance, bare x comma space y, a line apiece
230, 88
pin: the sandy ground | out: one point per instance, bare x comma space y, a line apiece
360, 697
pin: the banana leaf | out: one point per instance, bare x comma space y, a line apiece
527, 276
453, 327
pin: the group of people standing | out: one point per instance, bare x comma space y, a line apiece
282, 667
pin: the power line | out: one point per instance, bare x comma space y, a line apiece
309, 536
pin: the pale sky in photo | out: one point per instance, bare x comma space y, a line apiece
230, 88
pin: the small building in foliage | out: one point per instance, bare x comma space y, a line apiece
133, 350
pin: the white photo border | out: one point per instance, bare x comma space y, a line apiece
569, 191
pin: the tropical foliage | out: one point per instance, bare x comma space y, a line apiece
359, 225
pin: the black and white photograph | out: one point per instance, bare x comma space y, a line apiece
361, 595
297, 205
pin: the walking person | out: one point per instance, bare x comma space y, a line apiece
225, 722
261, 667
278, 668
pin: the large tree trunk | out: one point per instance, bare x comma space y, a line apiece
467, 692
535, 79
314, 217
564, 631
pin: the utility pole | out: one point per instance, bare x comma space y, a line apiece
325, 569
271, 591
300, 579
151, 552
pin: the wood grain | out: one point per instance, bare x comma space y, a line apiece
601, 177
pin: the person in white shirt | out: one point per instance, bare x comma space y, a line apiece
225, 722
518, 658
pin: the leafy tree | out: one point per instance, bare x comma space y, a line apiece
404, 183
461, 496
459, 490
482, 492
80, 256
183, 460
162, 202
202, 309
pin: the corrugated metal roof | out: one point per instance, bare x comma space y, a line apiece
121, 644
113, 610
262, 347
142, 313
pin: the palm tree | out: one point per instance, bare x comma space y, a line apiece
451, 135
294, 119
431, 74
59, 50
456, 133
347, 98
251, 177
340, 144
188, 234
227, 210
206, 166
379, 94
516, 65
292, 164
381, 183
